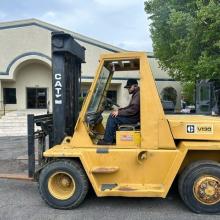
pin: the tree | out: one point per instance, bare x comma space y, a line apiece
188, 92
186, 37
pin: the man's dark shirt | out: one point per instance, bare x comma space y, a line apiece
133, 109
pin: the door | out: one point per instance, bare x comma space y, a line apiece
36, 98
203, 97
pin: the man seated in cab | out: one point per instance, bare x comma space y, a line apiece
127, 115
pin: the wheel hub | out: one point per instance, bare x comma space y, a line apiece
65, 181
61, 185
207, 190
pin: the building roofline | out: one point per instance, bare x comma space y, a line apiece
51, 27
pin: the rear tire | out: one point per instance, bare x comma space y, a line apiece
63, 184
199, 187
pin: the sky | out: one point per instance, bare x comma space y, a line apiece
122, 23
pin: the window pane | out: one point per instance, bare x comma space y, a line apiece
9, 95
112, 95
100, 87
204, 93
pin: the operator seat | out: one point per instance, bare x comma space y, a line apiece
129, 127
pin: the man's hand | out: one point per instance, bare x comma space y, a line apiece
114, 113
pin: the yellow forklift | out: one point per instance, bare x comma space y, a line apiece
146, 157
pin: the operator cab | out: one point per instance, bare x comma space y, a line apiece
98, 109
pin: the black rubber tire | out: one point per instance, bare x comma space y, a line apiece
186, 182
77, 173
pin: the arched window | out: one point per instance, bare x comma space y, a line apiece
169, 94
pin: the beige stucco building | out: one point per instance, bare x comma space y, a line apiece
25, 66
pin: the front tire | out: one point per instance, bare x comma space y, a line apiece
63, 184
199, 187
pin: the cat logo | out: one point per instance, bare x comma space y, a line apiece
190, 128
57, 89
199, 129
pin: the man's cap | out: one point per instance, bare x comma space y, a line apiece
131, 82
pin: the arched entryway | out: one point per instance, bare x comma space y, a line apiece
31, 85
169, 94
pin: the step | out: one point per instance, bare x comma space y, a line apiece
12, 124
142, 190
6, 118
15, 114
16, 129
25, 113
13, 134
106, 170
11, 130
15, 123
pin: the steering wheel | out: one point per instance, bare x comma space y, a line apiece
94, 118
110, 103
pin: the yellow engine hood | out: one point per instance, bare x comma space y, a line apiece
194, 127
